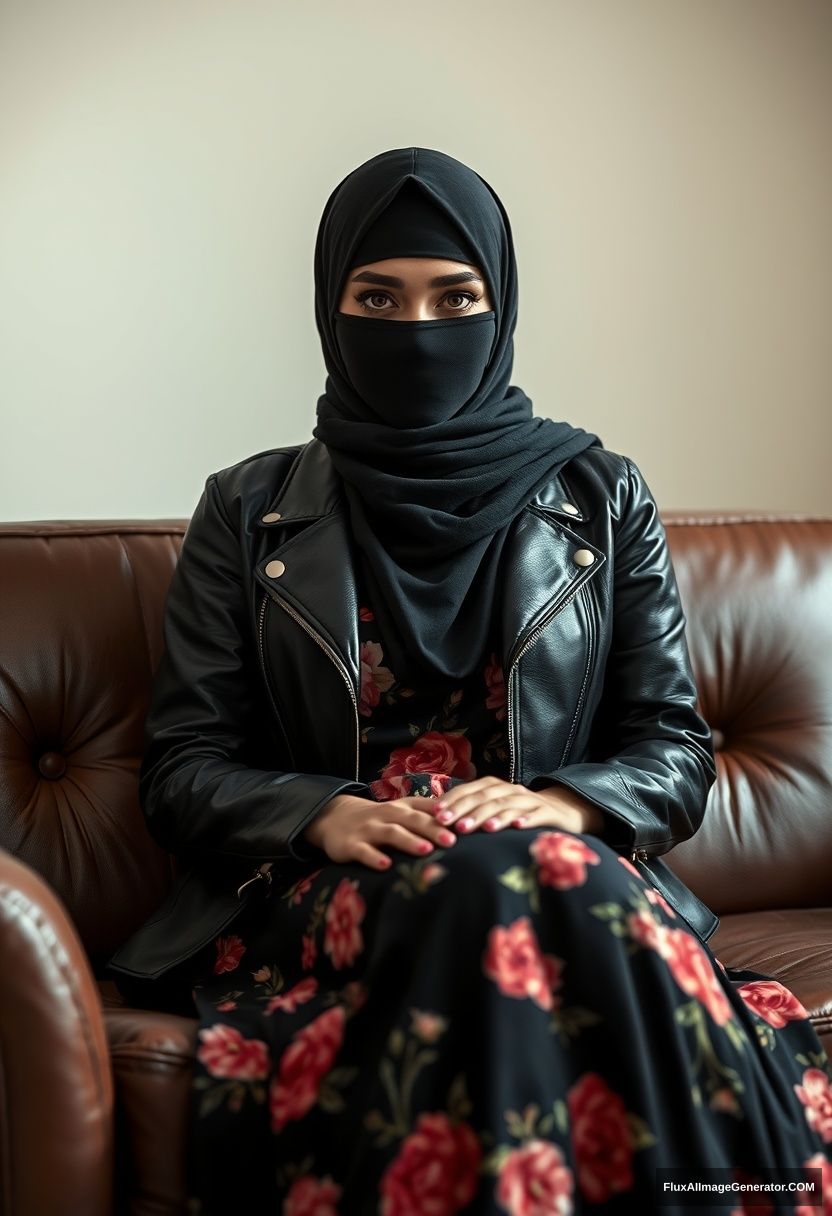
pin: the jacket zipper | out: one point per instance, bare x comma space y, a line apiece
530, 640
327, 649
263, 872
590, 655
636, 854
276, 712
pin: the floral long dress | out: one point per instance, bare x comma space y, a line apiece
518, 1023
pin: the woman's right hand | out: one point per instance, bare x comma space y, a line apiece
350, 828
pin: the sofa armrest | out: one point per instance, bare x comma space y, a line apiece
56, 1089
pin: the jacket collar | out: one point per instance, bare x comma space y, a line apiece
313, 574
312, 489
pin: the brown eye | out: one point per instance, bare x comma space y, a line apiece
365, 297
466, 297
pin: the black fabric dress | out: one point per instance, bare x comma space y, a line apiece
517, 1024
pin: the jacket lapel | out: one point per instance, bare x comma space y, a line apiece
317, 578
313, 568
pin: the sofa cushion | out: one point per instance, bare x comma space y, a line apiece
792, 945
152, 1056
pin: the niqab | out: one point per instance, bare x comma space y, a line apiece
438, 452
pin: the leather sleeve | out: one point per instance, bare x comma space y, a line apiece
651, 753
197, 788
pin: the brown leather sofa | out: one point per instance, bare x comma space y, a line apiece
94, 1093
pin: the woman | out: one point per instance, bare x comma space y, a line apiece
426, 696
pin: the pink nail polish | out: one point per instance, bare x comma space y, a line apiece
492, 824
445, 816
425, 846
465, 825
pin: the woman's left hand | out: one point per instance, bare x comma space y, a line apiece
492, 804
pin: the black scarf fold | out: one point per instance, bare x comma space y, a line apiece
431, 505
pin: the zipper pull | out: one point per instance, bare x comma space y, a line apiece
263, 871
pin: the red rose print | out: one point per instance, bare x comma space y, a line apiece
366, 614
819, 1161
600, 1138
645, 929
439, 782
655, 897
396, 787
343, 939
562, 859
294, 1087
751, 1204
692, 971
310, 952
535, 1181
229, 952
513, 959
310, 1196
297, 995
426, 1025
225, 1053
816, 1095
375, 679
495, 682
435, 1172
772, 1002
724, 1099
434, 752
302, 886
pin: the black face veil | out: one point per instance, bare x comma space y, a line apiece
437, 450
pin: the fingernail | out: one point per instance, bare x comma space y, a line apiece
439, 805
447, 837
465, 825
518, 823
492, 824
445, 816
425, 846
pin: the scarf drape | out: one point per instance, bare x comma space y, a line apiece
431, 501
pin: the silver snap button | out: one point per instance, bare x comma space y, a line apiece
569, 507
272, 517
584, 557
275, 569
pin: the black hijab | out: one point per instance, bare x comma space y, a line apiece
437, 451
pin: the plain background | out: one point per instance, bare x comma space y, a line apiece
667, 167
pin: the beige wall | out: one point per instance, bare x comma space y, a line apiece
667, 166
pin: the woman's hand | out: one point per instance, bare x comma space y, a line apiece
350, 828
493, 804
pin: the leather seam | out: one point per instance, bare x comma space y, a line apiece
25, 913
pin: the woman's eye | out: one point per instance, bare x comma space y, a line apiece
369, 300
363, 300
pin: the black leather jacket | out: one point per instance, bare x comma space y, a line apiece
253, 724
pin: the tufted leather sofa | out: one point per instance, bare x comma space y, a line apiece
93, 1092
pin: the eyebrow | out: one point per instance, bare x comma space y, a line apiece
391, 280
